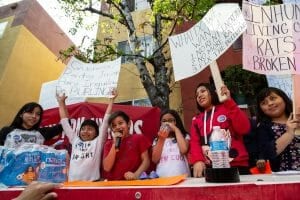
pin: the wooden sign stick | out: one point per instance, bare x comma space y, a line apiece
215, 71
295, 109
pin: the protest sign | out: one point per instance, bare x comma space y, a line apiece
291, 1
81, 79
283, 82
202, 44
260, 2
272, 40
47, 96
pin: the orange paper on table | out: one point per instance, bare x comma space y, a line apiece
148, 182
255, 170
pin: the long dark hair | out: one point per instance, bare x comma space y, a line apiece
261, 116
178, 120
28, 107
214, 97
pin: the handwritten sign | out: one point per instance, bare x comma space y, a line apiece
47, 96
272, 39
260, 2
283, 82
196, 48
291, 1
89, 80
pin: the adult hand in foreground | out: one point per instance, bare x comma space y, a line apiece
38, 191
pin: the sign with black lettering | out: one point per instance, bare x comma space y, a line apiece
202, 44
47, 96
81, 79
271, 43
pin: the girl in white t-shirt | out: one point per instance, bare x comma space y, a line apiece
87, 145
171, 146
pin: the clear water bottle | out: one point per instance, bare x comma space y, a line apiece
219, 148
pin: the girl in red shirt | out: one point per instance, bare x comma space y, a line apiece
228, 116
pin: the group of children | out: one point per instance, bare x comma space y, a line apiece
174, 151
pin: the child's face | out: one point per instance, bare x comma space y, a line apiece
31, 118
120, 125
168, 118
273, 106
87, 133
203, 97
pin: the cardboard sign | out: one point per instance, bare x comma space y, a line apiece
81, 79
47, 96
271, 42
196, 48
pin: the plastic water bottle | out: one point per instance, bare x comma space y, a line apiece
219, 148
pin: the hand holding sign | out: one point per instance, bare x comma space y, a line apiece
81, 79
219, 84
196, 48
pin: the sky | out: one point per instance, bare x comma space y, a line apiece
65, 23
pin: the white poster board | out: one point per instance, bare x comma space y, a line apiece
48, 96
271, 42
196, 48
283, 82
260, 2
291, 1
81, 79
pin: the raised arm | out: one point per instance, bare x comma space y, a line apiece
64, 116
114, 95
104, 125
63, 111
240, 121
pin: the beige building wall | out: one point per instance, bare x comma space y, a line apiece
28, 55
29, 65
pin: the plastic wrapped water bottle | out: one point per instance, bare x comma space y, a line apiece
219, 148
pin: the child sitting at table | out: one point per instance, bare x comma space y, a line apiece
126, 155
87, 147
276, 131
171, 146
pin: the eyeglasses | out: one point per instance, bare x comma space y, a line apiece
168, 120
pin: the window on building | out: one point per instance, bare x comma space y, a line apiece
147, 47
125, 49
141, 4
142, 102
137, 102
2, 28
131, 5
134, 5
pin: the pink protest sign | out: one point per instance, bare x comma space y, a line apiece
271, 42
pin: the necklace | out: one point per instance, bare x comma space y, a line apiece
210, 123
